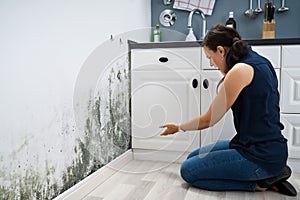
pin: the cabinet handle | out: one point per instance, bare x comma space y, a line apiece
194, 83
205, 83
163, 59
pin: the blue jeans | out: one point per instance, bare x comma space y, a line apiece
219, 168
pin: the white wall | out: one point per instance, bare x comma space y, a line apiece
43, 45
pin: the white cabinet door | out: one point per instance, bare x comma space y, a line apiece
164, 96
292, 133
290, 98
290, 90
224, 129
290, 56
290, 79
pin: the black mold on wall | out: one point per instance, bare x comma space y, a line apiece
106, 136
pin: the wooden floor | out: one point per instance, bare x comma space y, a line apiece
158, 181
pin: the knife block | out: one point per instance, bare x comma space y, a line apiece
268, 30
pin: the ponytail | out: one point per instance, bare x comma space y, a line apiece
237, 51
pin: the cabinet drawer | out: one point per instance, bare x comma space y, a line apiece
291, 131
272, 53
290, 56
166, 59
290, 90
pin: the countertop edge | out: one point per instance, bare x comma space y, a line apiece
183, 44
151, 45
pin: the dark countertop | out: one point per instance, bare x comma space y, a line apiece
283, 41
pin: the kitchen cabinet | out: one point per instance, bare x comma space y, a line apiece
175, 85
165, 87
290, 98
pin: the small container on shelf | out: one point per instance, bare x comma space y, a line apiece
157, 36
231, 22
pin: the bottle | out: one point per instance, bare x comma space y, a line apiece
157, 34
231, 22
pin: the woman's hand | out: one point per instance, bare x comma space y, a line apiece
171, 129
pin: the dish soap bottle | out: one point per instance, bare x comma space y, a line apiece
157, 34
231, 22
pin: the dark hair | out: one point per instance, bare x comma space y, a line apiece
220, 35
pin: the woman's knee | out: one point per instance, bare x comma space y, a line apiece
223, 145
186, 173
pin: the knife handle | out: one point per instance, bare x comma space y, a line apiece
265, 11
272, 12
269, 8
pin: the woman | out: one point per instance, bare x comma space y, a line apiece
255, 159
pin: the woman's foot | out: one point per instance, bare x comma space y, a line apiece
278, 183
286, 188
283, 187
260, 189
282, 176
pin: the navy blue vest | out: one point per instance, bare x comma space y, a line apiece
257, 117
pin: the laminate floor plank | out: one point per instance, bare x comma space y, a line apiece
111, 185
196, 193
140, 191
151, 180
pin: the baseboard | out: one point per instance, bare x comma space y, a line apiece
87, 185
155, 155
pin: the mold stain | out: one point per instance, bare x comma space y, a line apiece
106, 136
32, 185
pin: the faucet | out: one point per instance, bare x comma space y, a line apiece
190, 35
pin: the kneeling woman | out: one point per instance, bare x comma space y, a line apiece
255, 159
